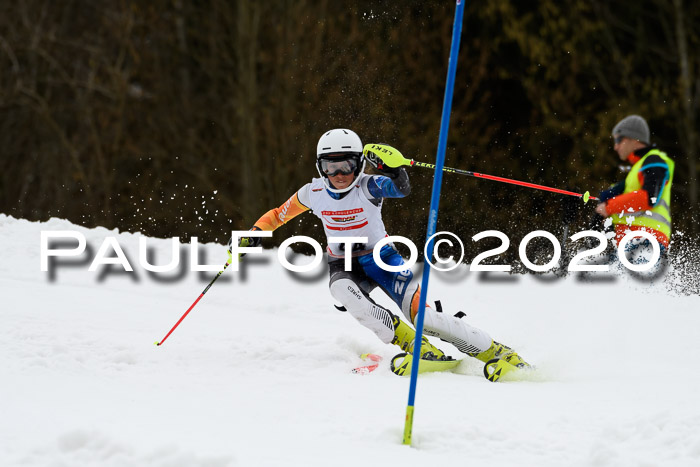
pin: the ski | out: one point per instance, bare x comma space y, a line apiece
494, 370
401, 364
367, 369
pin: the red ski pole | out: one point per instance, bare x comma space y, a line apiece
585, 196
381, 154
192, 306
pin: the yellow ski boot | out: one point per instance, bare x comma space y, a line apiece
431, 358
499, 360
405, 335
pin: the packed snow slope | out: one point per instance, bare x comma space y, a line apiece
258, 374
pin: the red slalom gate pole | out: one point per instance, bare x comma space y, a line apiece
192, 306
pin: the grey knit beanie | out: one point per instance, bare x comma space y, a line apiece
634, 127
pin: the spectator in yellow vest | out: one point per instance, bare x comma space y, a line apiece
642, 201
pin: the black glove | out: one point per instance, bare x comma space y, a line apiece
391, 172
244, 242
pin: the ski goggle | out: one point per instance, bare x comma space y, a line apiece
332, 166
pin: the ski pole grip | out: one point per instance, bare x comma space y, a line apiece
383, 154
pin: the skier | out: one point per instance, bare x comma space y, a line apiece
349, 202
642, 201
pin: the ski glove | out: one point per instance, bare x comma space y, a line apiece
392, 172
244, 242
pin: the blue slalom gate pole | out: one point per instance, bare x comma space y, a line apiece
432, 220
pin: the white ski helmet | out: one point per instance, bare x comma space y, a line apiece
339, 145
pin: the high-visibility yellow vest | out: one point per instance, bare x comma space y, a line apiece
659, 216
